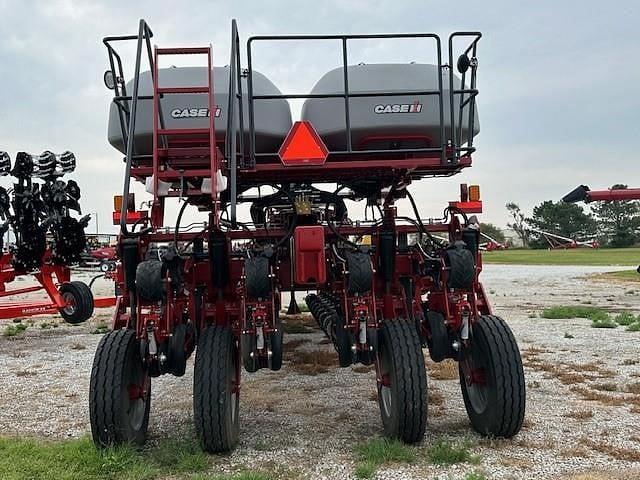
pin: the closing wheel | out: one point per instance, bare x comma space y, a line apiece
402, 381
438, 342
250, 359
216, 390
492, 379
256, 270
343, 341
79, 302
180, 347
275, 344
119, 392
149, 280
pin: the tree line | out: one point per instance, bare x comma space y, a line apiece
612, 223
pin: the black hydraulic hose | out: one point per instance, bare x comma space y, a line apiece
294, 219
333, 228
458, 211
419, 220
94, 279
178, 220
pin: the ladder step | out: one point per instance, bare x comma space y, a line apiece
175, 176
192, 152
183, 89
183, 131
182, 51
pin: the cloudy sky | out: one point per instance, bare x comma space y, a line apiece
558, 102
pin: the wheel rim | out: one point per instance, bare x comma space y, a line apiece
137, 393
71, 306
385, 393
475, 377
235, 388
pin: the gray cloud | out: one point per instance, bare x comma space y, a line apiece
557, 79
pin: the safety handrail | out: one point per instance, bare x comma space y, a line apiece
450, 149
129, 114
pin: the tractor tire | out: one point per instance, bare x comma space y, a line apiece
149, 280
256, 270
402, 381
119, 392
496, 401
343, 342
216, 398
178, 350
80, 302
439, 342
360, 273
250, 359
275, 344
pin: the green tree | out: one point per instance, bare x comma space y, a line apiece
519, 222
618, 220
566, 219
494, 232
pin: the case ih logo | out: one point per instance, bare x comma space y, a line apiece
193, 112
415, 107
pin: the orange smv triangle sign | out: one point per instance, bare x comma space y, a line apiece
303, 146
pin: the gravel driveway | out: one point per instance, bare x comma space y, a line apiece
583, 386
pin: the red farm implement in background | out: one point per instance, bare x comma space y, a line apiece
557, 242
72, 299
48, 239
582, 193
215, 138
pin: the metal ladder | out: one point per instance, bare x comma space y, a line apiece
173, 144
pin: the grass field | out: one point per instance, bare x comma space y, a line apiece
623, 275
576, 256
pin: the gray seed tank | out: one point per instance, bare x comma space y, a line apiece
384, 122
272, 118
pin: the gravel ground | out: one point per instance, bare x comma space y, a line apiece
582, 414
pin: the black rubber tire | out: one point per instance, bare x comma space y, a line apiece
343, 342
256, 270
81, 298
497, 408
149, 280
250, 362
439, 342
360, 273
275, 344
115, 418
178, 350
104, 266
215, 399
403, 402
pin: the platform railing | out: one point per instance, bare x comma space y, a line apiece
346, 94
472, 92
128, 104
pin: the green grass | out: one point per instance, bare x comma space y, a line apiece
626, 319
22, 458
101, 329
444, 452
14, 329
179, 456
69, 460
576, 256
604, 323
235, 476
599, 317
574, 311
475, 476
380, 451
622, 275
